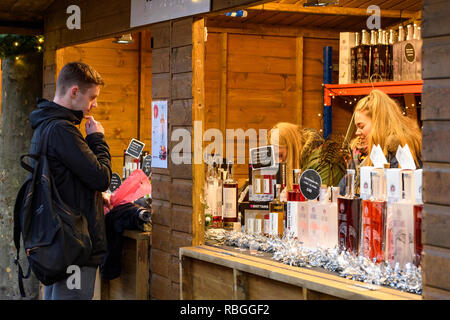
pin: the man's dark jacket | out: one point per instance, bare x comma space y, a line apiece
80, 166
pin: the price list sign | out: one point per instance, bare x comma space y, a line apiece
135, 148
310, 182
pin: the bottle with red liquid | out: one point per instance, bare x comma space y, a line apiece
418, 207
349, 215
374, 213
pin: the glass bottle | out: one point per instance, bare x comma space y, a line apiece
394, 194
259, 223
349, 215
403, 222
276, 215
314, 219
374, 217
217, 197
230, 197
363, 59
303, 222
329, 219
294, 197
409, 32
418, 207
353, 54
401, 34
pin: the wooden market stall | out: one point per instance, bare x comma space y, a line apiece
250, 72
267, 67
258, 70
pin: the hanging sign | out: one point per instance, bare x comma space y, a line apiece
147, 165
145, 12
159, 134
115, 182
310, 182
135, 148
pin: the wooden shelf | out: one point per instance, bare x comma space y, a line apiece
361, 89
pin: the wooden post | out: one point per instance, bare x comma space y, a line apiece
240, 285
223, 82
198, 114
299, 79
186, 292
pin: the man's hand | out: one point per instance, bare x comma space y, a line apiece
93, 126
107, 200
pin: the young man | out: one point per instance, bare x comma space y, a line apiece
81, 167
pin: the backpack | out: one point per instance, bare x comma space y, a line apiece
54, 235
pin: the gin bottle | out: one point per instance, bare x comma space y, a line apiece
349, 215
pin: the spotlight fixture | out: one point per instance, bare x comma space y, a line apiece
320, 3
126, 39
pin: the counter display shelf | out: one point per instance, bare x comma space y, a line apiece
223, 272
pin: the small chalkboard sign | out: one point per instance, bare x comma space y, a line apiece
135, 148
115, 182
147, 165
310, 182
262, 157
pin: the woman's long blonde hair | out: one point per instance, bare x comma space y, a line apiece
294, 138
390, 127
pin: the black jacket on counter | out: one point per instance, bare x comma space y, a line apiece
120, 218
81, 167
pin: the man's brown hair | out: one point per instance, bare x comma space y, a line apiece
77, 73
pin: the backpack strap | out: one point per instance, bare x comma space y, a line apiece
17, 232
43, 145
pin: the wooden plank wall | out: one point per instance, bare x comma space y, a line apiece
435, 150
252, 78
0, 87
126, 70
171, 187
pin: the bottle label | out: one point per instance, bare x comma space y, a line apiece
273, 217
258, 186
291, 219
266, 186
267, 226
229, 203
258, 226
410, 53
250, 225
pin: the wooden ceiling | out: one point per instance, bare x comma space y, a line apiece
26, 16
349, 15
22, 16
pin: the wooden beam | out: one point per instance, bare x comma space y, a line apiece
299, 79
270, 30
223, 82
21, 27
198, 114
333, 11
21, 31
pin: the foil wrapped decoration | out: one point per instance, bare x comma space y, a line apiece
345, 263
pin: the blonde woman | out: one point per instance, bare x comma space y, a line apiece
379, 121
306, 149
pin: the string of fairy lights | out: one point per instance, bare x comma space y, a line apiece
15, 46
